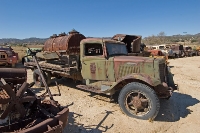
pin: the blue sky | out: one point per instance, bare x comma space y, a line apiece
98, 18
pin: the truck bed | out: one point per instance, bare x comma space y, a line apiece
53, 68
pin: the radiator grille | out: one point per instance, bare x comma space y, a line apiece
162, 70
128, 69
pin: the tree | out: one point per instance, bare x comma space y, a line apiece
153, 40
161, 36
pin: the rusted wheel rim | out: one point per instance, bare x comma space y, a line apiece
137, 103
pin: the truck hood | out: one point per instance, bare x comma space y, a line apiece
133, 59
125, 65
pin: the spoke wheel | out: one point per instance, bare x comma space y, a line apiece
139, 101
15, 100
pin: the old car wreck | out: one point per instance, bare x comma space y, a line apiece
22, 111
7, 56
104, 66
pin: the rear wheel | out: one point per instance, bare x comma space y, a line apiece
139, 101
38, 80
198, 53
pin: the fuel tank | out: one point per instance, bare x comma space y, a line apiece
69, 43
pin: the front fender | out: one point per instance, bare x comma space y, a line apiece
136, 76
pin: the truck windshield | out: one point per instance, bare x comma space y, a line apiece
114, 49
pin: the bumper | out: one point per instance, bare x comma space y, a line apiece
164, 91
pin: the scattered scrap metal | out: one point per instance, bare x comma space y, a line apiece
21, 110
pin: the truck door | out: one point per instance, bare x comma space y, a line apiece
93, 62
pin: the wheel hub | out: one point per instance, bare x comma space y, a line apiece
137, 103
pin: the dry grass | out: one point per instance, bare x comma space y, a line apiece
22, 50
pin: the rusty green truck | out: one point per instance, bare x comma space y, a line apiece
105, 66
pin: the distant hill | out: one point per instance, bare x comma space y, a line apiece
151, 40
32, 40
167, 39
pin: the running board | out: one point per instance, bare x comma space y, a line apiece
90, 88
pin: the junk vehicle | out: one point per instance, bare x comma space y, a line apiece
197, 50
7, 56
156, 53
166, 49
189, 52
22, 111
106, 68
27, 57
178, 50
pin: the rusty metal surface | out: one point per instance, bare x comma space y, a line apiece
125, 65
163, 91
15, 100
175, 47
8, 56
26, 111
36, 116
14, 75
132, 41
90, 88
39, 125
50, 56
48, 44
69, 43
137, 103
156, 52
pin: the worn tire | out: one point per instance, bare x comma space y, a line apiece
38, 82
146, 91
48, 77
23, 61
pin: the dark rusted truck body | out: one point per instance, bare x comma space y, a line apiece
178, 50
189, 52
106, 67
133, 44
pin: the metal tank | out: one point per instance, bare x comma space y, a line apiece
69, 43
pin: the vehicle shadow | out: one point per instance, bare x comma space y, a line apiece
64, 81
176, 107
75, 127
37, 90
170, 110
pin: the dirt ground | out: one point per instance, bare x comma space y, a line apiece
91, 113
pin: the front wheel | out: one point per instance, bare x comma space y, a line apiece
139, 101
